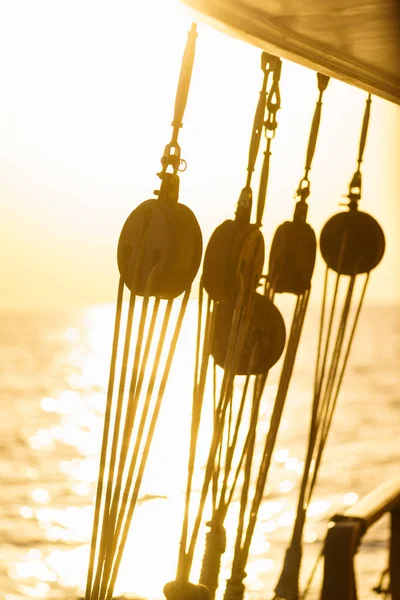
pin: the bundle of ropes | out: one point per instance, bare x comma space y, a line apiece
159, 253
352, 243
240, 334
244, 335
291, 265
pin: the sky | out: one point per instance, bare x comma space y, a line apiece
86, 102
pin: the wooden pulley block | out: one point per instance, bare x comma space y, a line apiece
236, 248
264, 342
352, 242
292, 257
166, 234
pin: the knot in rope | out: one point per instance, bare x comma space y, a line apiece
215, 547
234, 588
288, 584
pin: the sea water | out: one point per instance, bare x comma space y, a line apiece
54, 371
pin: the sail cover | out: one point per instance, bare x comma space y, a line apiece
356, 41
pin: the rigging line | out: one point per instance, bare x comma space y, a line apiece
232, 358
320, 333
336, 353
253, 423
172, 152
318, 386
343, 368
217, 467
356, 319
116, 481
301, 508
225, 502
134, 391
214, 487
234, 349
326, 398
304, 186
128, 484
273, 105
248, 465
286, 373
198, 335
227, 390
345, 361
147, 445
106, 430
323, 81
185, 76
129, 428
312, 575
364, 130
319, 377
231, 449
115, 441
266, 67
317, 407
356, 183
325, 403
216, 538
198, 395
230, 419
259, 386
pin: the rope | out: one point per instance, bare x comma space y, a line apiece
234, 589
128, 483
303, 190
118, 551
245, 533
172, 152
280, 398
198, 396
114, 483
267, 65
238, 333
216, 537
273, 105
115, 441
106, 430
115, 517
312, 575
328, 381
356, 183
214, 546
133, 399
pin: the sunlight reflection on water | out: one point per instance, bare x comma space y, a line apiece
60, 502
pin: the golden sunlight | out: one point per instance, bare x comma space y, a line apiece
87, 101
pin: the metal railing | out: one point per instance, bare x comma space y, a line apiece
344, 536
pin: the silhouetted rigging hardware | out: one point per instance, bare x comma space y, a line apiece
240, 327
291, 265
352, 244
159, 254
